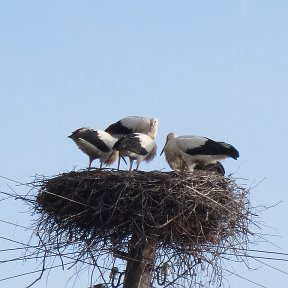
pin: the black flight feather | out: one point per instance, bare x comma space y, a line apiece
118, 128
214, 148
90, 136
131, 143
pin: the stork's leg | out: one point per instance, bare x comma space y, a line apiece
118, 166
138, 163
90, 162
101, 164
131, 164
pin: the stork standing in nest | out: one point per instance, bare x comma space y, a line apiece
186, 152
139, 146
131, 124
97, 144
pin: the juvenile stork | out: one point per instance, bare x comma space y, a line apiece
186, 152
215, 168
138, 146
97, 144
130, 124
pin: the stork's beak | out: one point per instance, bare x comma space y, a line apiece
162, 150
164, 147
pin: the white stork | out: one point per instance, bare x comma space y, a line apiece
215, 168
132, 124
138, 146
97, 144
185, 152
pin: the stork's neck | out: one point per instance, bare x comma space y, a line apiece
153, 132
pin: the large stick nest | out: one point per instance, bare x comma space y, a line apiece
180, 209
194, 218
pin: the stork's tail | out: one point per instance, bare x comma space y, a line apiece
120, 144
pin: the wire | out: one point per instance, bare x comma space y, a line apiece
270, 266
258, 257
225, 253
16, 225
14, 181
11, 249
32, 272
17, 242
252, 250
263, 251
242, 277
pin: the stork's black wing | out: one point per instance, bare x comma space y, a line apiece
132, 143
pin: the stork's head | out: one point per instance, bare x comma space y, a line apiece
170, 136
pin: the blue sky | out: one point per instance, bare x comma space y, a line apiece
212, 68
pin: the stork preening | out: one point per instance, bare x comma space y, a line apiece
97, 144
130, 124
133, 124
185, 152
138, 146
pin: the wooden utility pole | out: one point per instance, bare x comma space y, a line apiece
140, 262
